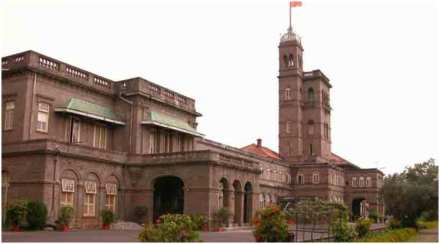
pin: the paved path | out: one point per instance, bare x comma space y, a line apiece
113, 236
427, 235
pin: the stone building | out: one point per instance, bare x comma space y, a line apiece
72, 137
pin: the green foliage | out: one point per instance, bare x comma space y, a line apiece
140, 213
172, 228
422, 224
222, 216
412, 192
199, 220
65, 215
342, 231
271, 225
395, 235
107, 216
394, 223
363, 226
16, 212
36, 215
315, 210
374, 215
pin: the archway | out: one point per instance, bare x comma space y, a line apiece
247, 203
223, 194
168, 196
238, 193
356, 207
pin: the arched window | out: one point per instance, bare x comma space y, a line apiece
261, 200
111, 193
361, 182
291, 61
286, 61
368, 181
287, 94
311, 127
90, 192
300, 179
315, 178
288, 127
353, 182
311, 94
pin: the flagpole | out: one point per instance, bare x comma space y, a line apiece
290, 17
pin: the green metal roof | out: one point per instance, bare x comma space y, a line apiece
166, 121
90, 110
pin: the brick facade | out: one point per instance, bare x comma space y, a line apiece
133, 132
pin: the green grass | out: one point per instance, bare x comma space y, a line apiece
395, 235
427, 224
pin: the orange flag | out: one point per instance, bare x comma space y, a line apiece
294, 4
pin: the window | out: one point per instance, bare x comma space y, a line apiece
9, 115
43, 117
110, 197
353, 182
310, 94
291, 61
287, 94
286, 61
261, 200
361, 182
300, 179
288, 127
311, 149
90, 198
311, 127
100, 137
75, 131
315, 178
368, 181
67, 191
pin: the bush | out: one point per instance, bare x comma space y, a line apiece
16, 212
222, 216
394, 223
65, 216
363, 226
199, 220
422, 224
395, 235
374, 216
171, 228
36, 215
140, 213
107, 216
342, 231
271, 225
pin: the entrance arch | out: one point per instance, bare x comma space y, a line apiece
247, 203
238, 194
357, 207
168, 196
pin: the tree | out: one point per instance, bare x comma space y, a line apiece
414, 191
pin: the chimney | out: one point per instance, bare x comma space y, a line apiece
259, 142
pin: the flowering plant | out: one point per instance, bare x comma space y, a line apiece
270, 225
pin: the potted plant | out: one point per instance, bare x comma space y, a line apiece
222, 218
66, 215
108, 217
16, 213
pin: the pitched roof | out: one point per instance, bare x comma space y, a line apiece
340, 161
261, 151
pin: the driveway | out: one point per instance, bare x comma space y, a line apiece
113, 236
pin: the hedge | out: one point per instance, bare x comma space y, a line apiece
395, 235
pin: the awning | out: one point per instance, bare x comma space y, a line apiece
163, 120
90, 110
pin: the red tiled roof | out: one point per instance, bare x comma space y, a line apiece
261, 151
338, 160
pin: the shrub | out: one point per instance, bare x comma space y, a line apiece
222, 216
16, 212
342, 231
198, 220
107, 216
374, 215
140, 213
36, 215
394, 223
171, 228
363, 226
271, 225
65, 216
422, 224
395, 235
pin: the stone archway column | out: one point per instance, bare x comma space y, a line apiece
238, 205
231, 205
